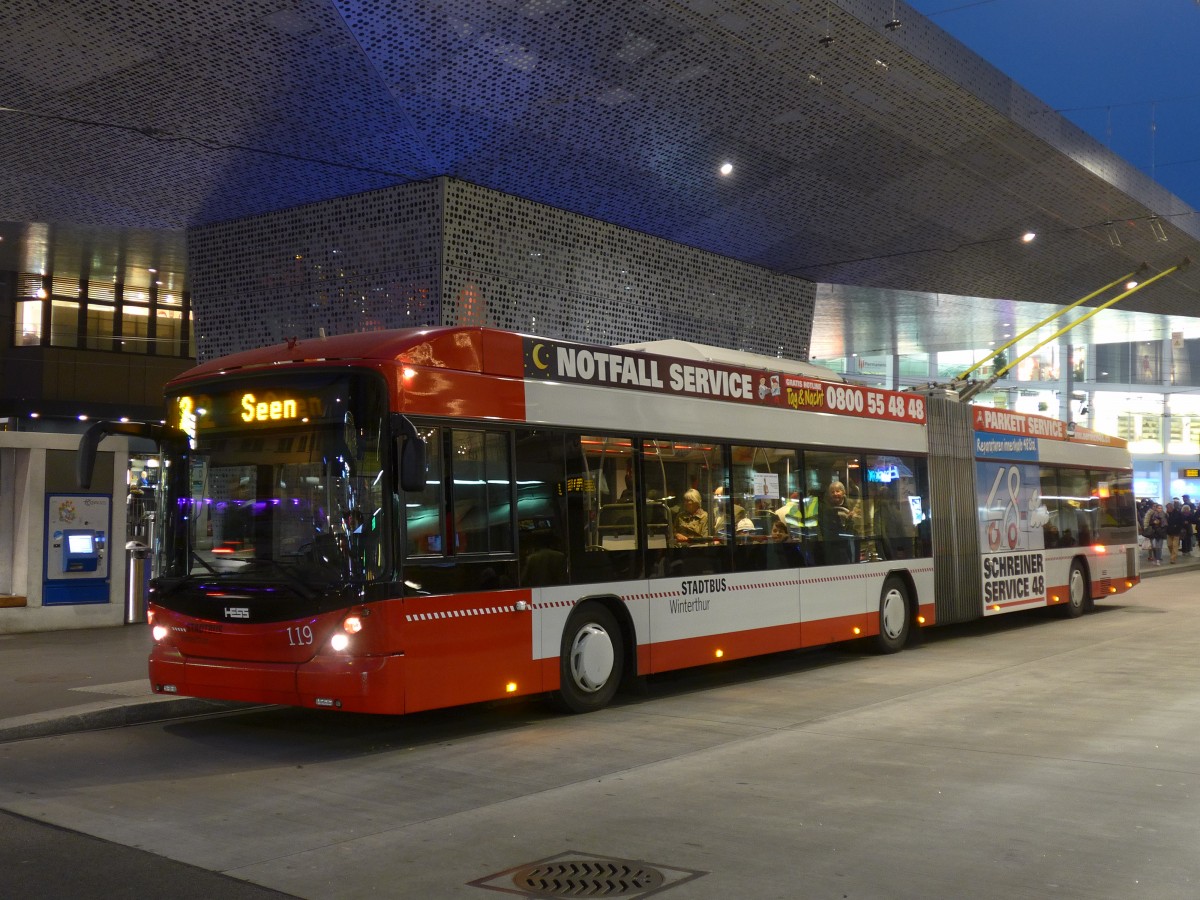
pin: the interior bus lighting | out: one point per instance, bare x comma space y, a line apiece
510, 688
339, 642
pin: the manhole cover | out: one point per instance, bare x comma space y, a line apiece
588, 878
575, 874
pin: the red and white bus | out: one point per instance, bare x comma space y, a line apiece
402, 520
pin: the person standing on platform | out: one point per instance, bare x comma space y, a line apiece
1175, 523
1154, 527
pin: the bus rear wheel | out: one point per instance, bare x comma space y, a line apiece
591, 660
895, 616
1078, 599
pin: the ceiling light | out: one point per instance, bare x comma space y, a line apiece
1130, 285
82, 417
1029, 236
726, 168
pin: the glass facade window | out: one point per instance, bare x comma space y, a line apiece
100, 326
135, 329
128, 320
64, 323
28, 332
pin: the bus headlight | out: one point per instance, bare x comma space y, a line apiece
159, 632
339, 641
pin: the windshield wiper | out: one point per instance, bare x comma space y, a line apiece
302, 587
204, 562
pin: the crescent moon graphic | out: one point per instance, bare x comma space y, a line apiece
536, 356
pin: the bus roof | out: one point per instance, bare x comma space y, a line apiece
704, 353
464, 348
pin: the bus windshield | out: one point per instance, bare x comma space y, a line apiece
279, 482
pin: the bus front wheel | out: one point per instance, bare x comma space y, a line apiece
591, 659
895, 616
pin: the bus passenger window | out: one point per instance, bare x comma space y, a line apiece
835, 479
423, 533
767, 515
893, 509
602, 527
481, 466
690, 481
541, 508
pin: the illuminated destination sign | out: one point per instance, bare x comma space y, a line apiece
256, 408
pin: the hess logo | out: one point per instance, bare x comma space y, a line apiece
237, 612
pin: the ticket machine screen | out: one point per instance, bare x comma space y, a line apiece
81, 553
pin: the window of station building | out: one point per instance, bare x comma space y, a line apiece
952, 363
28, 331
64, 323
1040, 366
1139, 362
1147, 482
98, 316
914, 368
875, 370
135, 324
1183, 434
100, 320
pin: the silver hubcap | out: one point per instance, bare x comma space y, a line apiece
893, 614
592, 658
1076, 587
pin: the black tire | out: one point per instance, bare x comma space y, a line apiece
1078, 595
591, 660
895, 616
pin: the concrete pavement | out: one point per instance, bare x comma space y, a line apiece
58, 682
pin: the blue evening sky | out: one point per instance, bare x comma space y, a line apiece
1125, 71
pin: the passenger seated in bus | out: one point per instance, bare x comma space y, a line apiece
691, 522
893, 518
839, 526
545, 564
779, 531
627, 494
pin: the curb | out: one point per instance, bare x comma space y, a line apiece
96, 716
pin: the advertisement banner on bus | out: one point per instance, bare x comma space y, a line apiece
547, 360
1011, 516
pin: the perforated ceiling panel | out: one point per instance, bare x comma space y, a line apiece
448, 252
861, 154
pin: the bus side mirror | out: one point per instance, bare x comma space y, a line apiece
85, 461
411, 454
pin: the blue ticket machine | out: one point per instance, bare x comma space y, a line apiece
76, 550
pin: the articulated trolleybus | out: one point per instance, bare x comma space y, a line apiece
395, 521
